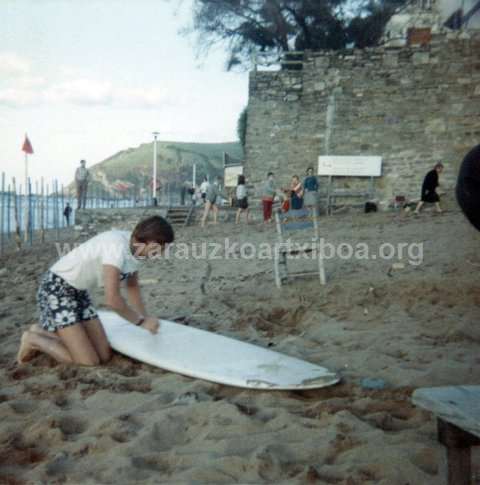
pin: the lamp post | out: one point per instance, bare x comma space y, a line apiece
154, 181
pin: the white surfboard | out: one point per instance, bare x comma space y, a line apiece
212, 357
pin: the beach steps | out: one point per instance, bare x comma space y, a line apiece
181, 215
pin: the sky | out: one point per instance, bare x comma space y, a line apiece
88, 78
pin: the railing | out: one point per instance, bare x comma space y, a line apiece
37, 215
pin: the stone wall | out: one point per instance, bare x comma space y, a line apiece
89, 222
92, 221
414, 106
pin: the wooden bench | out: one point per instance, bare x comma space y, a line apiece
457, 409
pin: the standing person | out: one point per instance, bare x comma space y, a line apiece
203, 188
242, 199
296, 193
268, 194
66, 212
429, 188
310, 185
82, 177
211, 201
69, 329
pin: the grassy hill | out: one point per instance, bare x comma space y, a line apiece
175, 160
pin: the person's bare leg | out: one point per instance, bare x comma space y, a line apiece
98, 338
237, 218
205, 213
437, 207
419, 206
75, 338
215, 213
32, 342
247, 215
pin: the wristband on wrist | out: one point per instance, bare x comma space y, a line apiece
140, 320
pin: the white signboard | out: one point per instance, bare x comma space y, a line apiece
231, 175
355, 166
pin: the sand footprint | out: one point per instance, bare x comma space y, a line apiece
70, 426
152, 462
23, 406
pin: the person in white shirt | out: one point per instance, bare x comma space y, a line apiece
212, 198
204, 188
69, 329
242, 199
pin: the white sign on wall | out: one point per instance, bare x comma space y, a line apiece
231, 175
352, 166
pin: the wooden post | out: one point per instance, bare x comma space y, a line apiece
42, 211
37, 206
30, 212
458, 443
63, 208
56, 210
9, 196
18, 238
20, 209
47, 195
329, 195
2, 215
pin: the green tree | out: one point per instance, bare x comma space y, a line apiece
272, 27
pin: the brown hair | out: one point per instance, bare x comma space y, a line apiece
154, 229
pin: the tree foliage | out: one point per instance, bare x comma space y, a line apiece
272, 27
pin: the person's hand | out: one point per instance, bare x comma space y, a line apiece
151, 324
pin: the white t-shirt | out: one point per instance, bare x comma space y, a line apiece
204, 187
82, 268
241, 192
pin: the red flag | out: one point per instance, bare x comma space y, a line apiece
27, 146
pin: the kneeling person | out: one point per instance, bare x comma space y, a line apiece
69, 329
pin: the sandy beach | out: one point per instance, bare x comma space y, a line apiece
412, 325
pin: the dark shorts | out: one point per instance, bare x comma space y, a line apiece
431, 197
61, 305
242, 203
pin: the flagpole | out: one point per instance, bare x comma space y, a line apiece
154, 182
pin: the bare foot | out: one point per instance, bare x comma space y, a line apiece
26, 352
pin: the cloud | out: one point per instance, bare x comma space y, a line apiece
72, 86
13, 65
18, 97
81, 92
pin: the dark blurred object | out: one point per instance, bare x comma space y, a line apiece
468, 186
370, 207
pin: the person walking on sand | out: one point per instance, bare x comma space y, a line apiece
82, 177
429, 189
66, 213
211, 201
268, 195
69, 329
310, 185
242, 199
